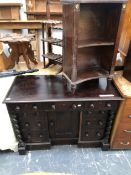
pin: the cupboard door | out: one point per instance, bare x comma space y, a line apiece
63, 124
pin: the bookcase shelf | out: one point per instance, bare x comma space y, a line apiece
86, 43
90, 38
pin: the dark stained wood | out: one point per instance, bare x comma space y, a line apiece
52, 88
43, 112
89, 39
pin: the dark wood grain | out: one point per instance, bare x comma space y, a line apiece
43, 112
90, 38
54, 88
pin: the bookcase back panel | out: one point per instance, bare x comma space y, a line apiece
105, 56
89, 58
99, 21
68, 26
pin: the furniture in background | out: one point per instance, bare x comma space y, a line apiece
90, 38
44, 113
37, 9
19, 45
41, 10
10, 11
125, 36
53, 58
4, 63
121, 135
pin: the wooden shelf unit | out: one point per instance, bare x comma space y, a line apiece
49, 40
37, 9
10, 11
90, 38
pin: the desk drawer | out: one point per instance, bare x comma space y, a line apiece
122, 144
101, 105
124, 131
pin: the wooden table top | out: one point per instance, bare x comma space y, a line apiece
54, 88
15, 37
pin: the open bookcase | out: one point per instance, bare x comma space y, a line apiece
49, 25
90, 38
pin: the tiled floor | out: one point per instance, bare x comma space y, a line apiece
67, 159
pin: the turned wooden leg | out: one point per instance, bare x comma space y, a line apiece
27, 61
14, 55
30, 54
25, 54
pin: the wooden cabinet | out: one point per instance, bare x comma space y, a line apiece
43, 112
121, 135
90, 38
38, 9
10, 11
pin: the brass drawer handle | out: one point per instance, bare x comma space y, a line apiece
128, 131
127, 143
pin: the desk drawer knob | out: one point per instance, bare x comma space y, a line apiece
98, 134
92, 106
17, 108
35, 107
129, 116
51, 123
127, 131
125, 144
108, 105
74, 106
88, 122
38, 124
41, 135
100, 122
29, 136
86, 134
26, 124
79, 105
53, 107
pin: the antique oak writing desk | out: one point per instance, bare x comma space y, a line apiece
44, 113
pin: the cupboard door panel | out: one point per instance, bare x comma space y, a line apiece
63, 124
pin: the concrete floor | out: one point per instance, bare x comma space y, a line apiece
67, 159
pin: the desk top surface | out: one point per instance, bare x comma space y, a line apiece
54, 88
